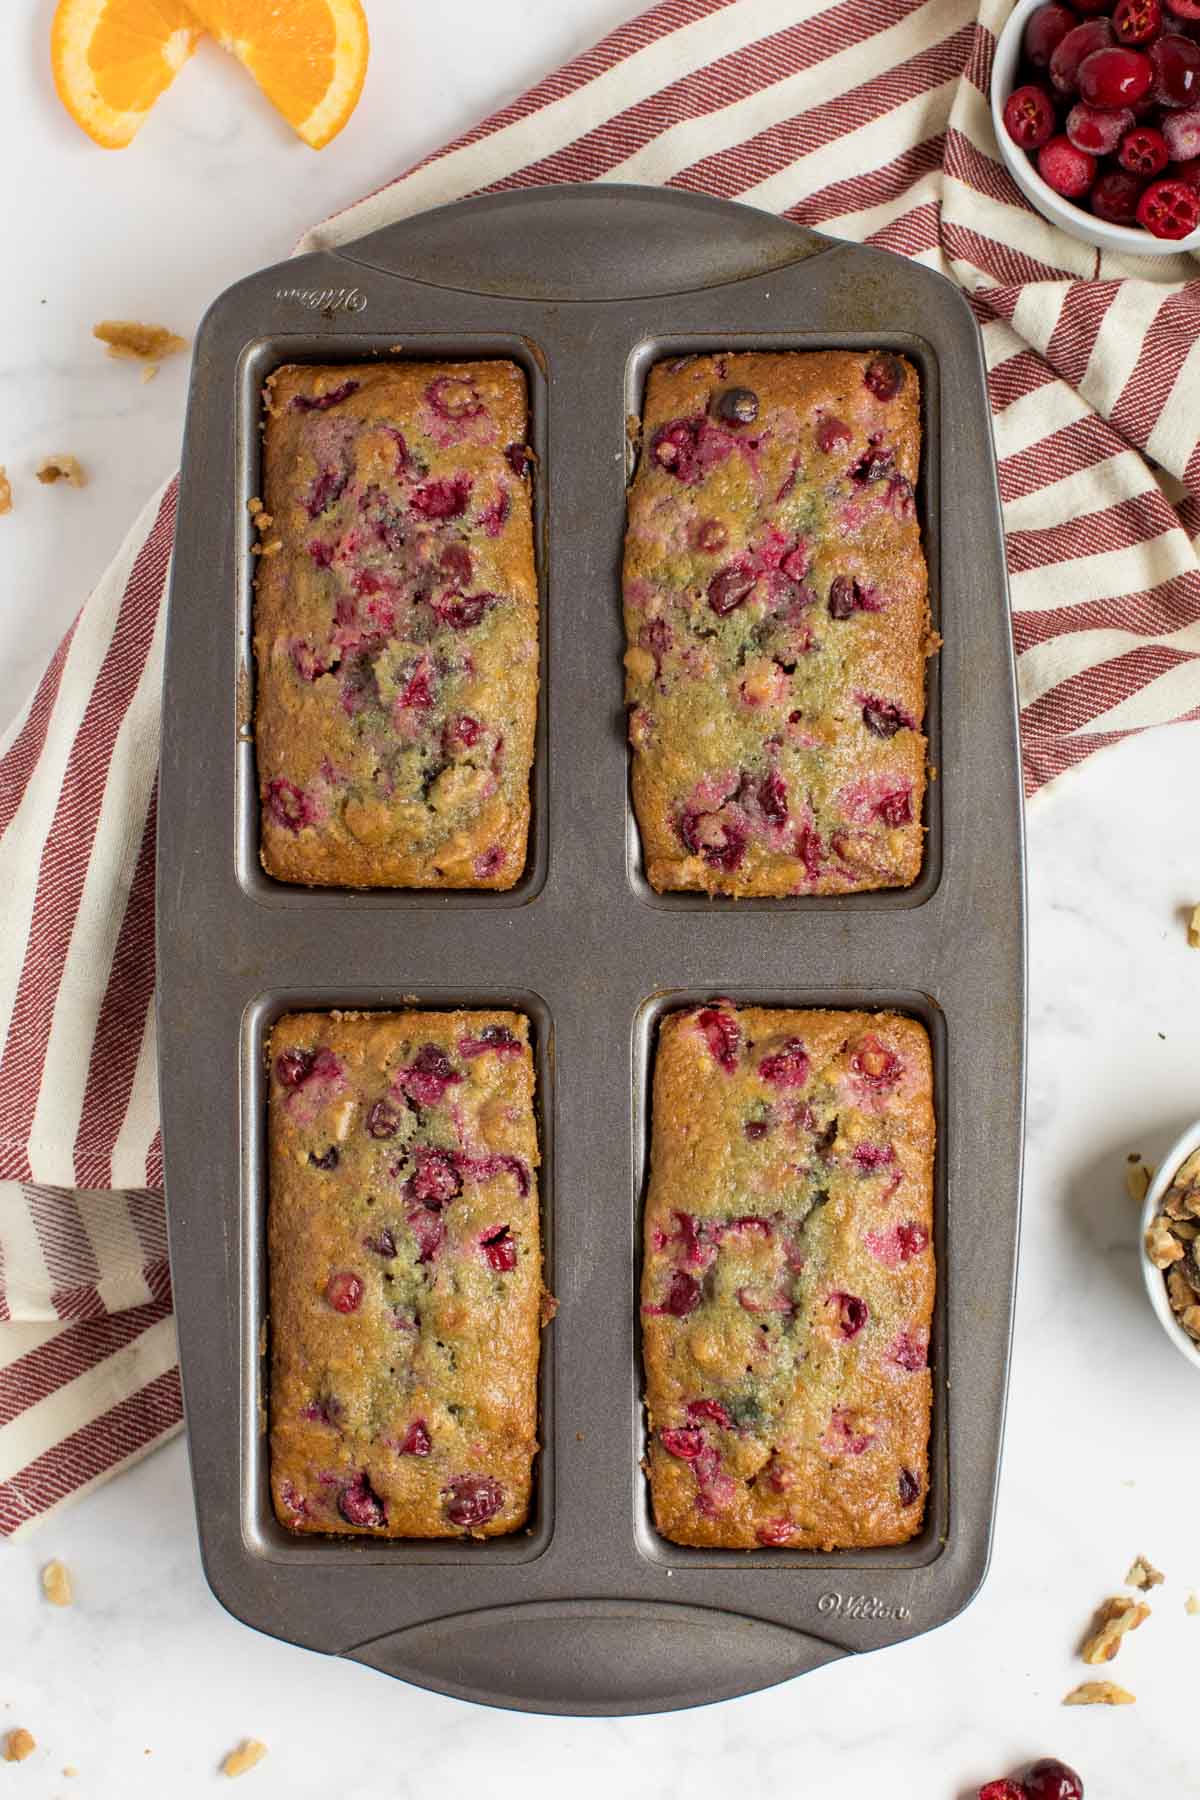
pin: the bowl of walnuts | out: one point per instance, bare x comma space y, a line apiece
1096, 107
1171, 1244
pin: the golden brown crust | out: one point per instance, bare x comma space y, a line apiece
788, 1280
396, 626
778, 624
405, 1272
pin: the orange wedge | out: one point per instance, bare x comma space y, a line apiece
113, 58
309, 57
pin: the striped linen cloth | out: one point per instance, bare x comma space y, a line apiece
868, 118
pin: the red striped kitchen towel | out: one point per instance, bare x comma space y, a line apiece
865, 117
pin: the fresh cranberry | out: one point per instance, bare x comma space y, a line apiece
683, 1296
327, 488
383, 1121
909, 1351
844, 1436
1003, 1790
686, 448
383, 1244
491, 1037
499, 1249
722, 1034
462, 612
327, 1160
884, 376
1069, 52
1181, 131
773, 1532
1097, 130
427, 1077
321, 552
1068, 171
293, 1067
1049, 1779
429, 1230
437, 1179
472, 1500
344, 1291
848, 595
464, 730
1115, 197
454, 397
456, 565
875, 464
519, 458
709, 1409
874, 1063
494, 515
683, 1442
287, 804
1185, 9
883, 718
735, 406
772, 798
756, 1128
831, 434
1169, 209
895, 809
359, 1504
908, 1486
323, 402
1137, 21
788, 1067
852, 1313
1045, 31
1115, 77
306, 662
723, 843
1143, 152
870, 1157
1029, 117
708, 536
1188, 172
416, 1441
443, 499
1176, 64
1089, 8
732, 585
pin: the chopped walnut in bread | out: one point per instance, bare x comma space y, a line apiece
1117, 1616
1099, 1693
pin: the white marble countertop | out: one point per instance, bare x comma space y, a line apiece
146, 1682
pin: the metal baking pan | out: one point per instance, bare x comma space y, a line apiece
590, 1611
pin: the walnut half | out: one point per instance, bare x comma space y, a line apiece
1117, 1616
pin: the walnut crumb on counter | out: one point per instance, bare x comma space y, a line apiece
1099, 1693
1138, 1176
1192, 1604
5, 491
19, 1744
248, 1754
1194, 928
131, 340
56, 1584
1143, 1574
60, 468
1117, 1616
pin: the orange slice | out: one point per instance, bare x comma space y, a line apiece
309, 57
113, 58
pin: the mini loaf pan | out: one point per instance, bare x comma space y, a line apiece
589, 1611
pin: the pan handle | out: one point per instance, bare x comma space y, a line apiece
596, 1658
586, 241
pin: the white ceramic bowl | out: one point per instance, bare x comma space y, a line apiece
1156, 1286
1129, 240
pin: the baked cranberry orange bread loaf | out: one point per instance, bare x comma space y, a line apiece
788, 1278
396, 626
778, 624
405, 1272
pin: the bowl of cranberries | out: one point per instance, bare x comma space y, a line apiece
1096, 106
